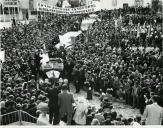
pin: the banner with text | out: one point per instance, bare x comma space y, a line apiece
10, 3
78, 10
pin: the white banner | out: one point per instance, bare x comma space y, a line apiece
10, 3
68, 39
53, 73
78, 10
2, 56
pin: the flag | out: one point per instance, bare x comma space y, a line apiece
120, 18
53, 73
44, 47
138, 30
149, 31
130, 22
116, 23
144, 24
2, 56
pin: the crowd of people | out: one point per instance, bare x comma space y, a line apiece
126, 58
120, 55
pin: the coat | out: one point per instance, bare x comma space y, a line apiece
43, 120
153, 114
53, 99
65, 101
81, 112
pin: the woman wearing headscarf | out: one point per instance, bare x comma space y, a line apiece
81, 111
43, 118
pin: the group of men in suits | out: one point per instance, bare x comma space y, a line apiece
60, 104
61, 107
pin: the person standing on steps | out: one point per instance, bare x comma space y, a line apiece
53, 105
65, 103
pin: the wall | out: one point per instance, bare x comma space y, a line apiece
24, 4
108, 4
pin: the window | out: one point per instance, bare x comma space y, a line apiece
6, 10
1, 12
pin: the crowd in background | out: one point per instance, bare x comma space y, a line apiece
115, 57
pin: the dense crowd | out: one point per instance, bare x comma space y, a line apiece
122, 60
22, 44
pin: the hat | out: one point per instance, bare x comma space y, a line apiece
11, 96
18, 99
60, 80
106, 99
18, 105
8, 89
43, 107
64, 87
46, 81
33, 98
65, 81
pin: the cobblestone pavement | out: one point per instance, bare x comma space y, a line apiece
120, 108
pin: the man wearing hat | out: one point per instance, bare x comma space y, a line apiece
75, 74
53, 105
108, 95
65, 101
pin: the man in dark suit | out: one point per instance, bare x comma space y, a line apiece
53, 105
65, 101
75, 74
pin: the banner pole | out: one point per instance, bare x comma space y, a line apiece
3, 14
9, 13
44, 14
18, 13
37, 13
15, 14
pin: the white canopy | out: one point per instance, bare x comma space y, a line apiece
67, 39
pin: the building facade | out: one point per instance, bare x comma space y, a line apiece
26, 9
20, 9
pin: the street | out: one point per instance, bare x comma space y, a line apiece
119, 107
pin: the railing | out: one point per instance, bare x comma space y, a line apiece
17, 116
9, 118
24, 116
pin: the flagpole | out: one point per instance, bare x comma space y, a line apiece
37, 13
9, 13
44, 13
3, 14
18, 13
15, 14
